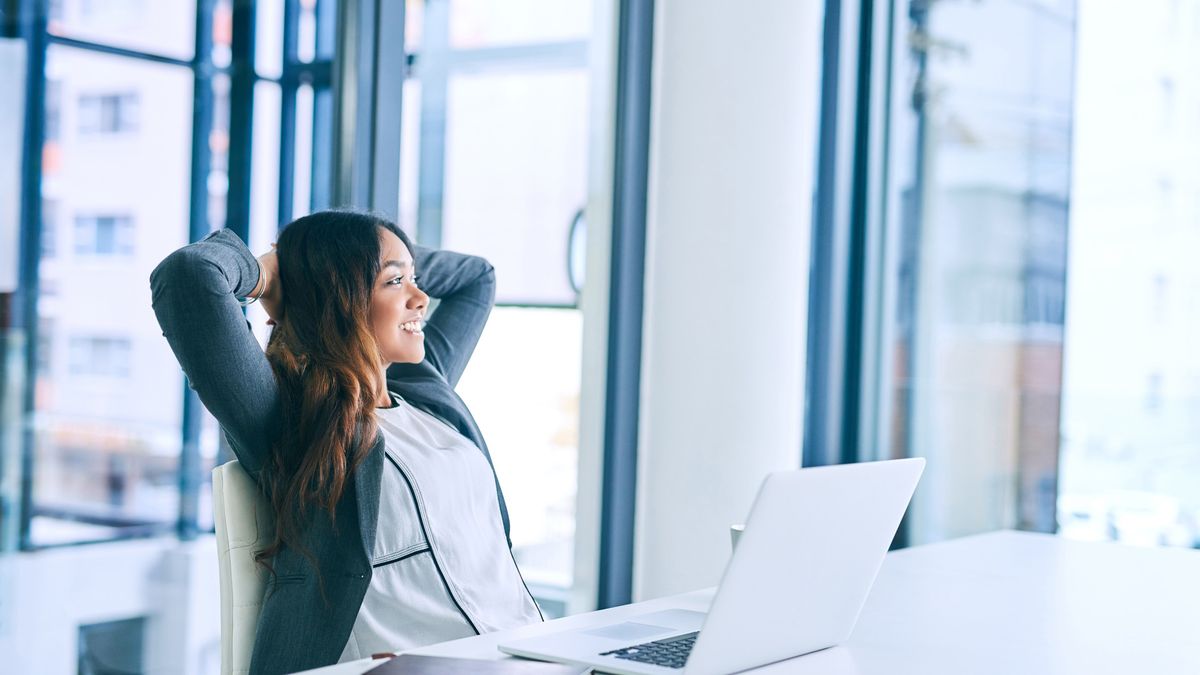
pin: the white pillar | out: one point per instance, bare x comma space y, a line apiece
731, 183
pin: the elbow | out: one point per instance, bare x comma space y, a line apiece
170, 268
186, 268
487, 281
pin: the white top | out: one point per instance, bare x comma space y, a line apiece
442, 566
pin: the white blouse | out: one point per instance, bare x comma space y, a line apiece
442, 566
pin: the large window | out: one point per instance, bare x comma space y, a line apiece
1035, 316
150, 140
494, 163
103, 412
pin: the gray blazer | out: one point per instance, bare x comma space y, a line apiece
195, 291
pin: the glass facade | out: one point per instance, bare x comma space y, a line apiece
495, 132
1039, 212
1130, 434
106, 425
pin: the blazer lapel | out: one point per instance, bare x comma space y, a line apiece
366, 488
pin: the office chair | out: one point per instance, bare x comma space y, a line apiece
244, 524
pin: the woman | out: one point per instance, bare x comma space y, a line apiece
391, 531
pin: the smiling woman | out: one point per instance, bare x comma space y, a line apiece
390, 526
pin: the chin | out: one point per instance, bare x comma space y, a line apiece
409, 357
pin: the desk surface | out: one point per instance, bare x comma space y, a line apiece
1001, 603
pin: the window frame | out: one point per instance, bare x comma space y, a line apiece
28, 19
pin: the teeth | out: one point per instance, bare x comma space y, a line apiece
412, 327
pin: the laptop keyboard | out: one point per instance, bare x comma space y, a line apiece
668, 653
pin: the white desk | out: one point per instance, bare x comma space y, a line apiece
1005, 603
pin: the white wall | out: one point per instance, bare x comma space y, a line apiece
46, 596
732, 154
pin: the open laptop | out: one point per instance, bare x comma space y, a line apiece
797, 580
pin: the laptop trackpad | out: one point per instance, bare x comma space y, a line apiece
651, 625
629, 631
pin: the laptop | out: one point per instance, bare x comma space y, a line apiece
796, 582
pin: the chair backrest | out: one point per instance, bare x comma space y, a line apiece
244, 524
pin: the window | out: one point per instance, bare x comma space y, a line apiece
49, 241
104, 235
1039, 231
45, 346
53, 119
101, 114
100, 356
105, 449
494, 143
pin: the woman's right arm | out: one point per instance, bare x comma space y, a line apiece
195, 292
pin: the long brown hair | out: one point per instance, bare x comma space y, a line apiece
327, 364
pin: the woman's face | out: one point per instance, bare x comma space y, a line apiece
397, 305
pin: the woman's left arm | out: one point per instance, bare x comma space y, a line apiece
465, 286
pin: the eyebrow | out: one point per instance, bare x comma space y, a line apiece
397, 263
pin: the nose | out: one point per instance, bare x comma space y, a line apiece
418, 300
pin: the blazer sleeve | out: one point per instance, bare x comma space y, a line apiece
194, 294
465, 287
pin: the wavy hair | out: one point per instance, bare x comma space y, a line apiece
327, 364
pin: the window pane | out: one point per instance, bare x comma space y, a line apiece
486, 23
109, 394
414, 20
264, 186
166, 27
982, 178
1045, 193
494, 163
410, 155
218, 146
268, 41
1130, 467
302, 185
306, 35
511, 380
516, 175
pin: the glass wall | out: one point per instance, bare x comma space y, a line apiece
1040, 207
105, 424
114, 446
1130, 464
494, 163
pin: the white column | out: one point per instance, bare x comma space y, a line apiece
731, 183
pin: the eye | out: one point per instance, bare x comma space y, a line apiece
395, 281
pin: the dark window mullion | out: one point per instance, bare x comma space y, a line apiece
117, 51
241, 118
289, 84
618, 503
24, 307
190, 478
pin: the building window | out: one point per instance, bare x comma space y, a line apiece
1154, 392
100, 356
53, 118
109, 235
45, 345
49, 241
108, 113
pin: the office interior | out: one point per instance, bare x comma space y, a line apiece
730, 238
